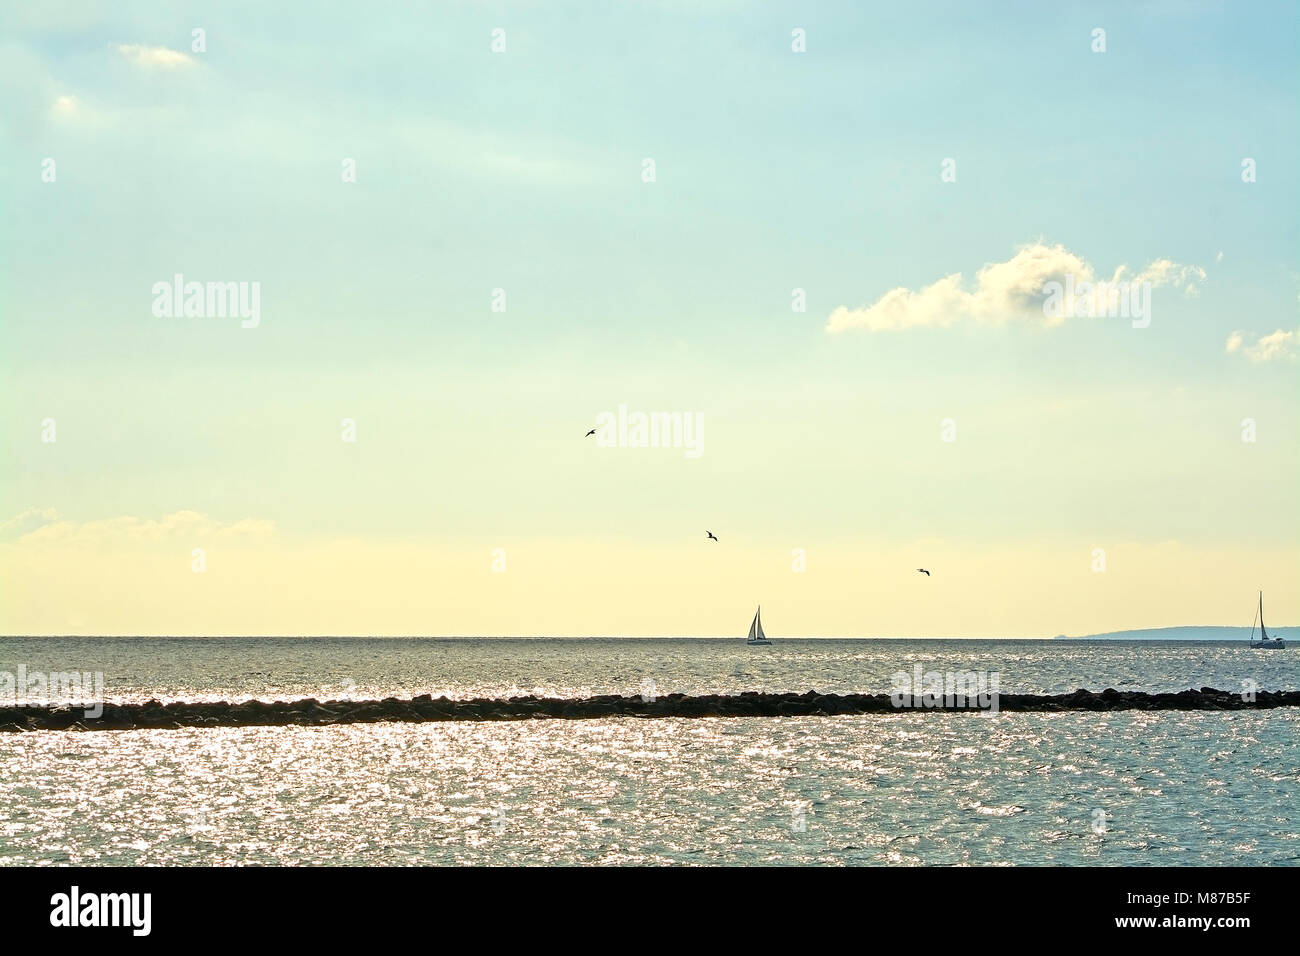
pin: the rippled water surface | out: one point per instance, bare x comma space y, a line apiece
927, 788
238, 668
916, 789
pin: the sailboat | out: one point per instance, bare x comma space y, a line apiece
1265, 640
756, 636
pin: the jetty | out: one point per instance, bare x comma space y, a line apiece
154, 714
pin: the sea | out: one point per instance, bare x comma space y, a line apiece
917, 788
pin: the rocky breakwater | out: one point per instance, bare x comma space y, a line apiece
253, 713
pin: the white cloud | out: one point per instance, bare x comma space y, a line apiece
154, 57
40, 526
1001, 291
27, 521
1281, 344
1164, 272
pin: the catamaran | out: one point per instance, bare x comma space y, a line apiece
756, 636
1265, 640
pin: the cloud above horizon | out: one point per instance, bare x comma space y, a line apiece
154, 57
42, 526
1002, 291
1281, 344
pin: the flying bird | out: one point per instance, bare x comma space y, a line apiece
924, 571
711, 535
590, 433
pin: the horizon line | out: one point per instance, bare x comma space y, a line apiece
651, 637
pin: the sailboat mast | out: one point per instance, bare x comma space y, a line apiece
756, 635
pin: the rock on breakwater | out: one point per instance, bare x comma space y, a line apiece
311, 712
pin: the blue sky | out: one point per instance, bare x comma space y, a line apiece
775, 170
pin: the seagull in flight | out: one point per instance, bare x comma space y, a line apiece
924, 571
712, 535
590, 433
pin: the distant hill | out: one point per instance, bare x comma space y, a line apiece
1212, 633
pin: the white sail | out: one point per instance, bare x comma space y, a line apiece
1264, 639
753, 628
758, 619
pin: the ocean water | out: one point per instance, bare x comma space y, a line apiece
912, 789
137, 668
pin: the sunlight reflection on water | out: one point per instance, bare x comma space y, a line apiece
136, 669
1193, 788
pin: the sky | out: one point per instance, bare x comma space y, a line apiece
821, 235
